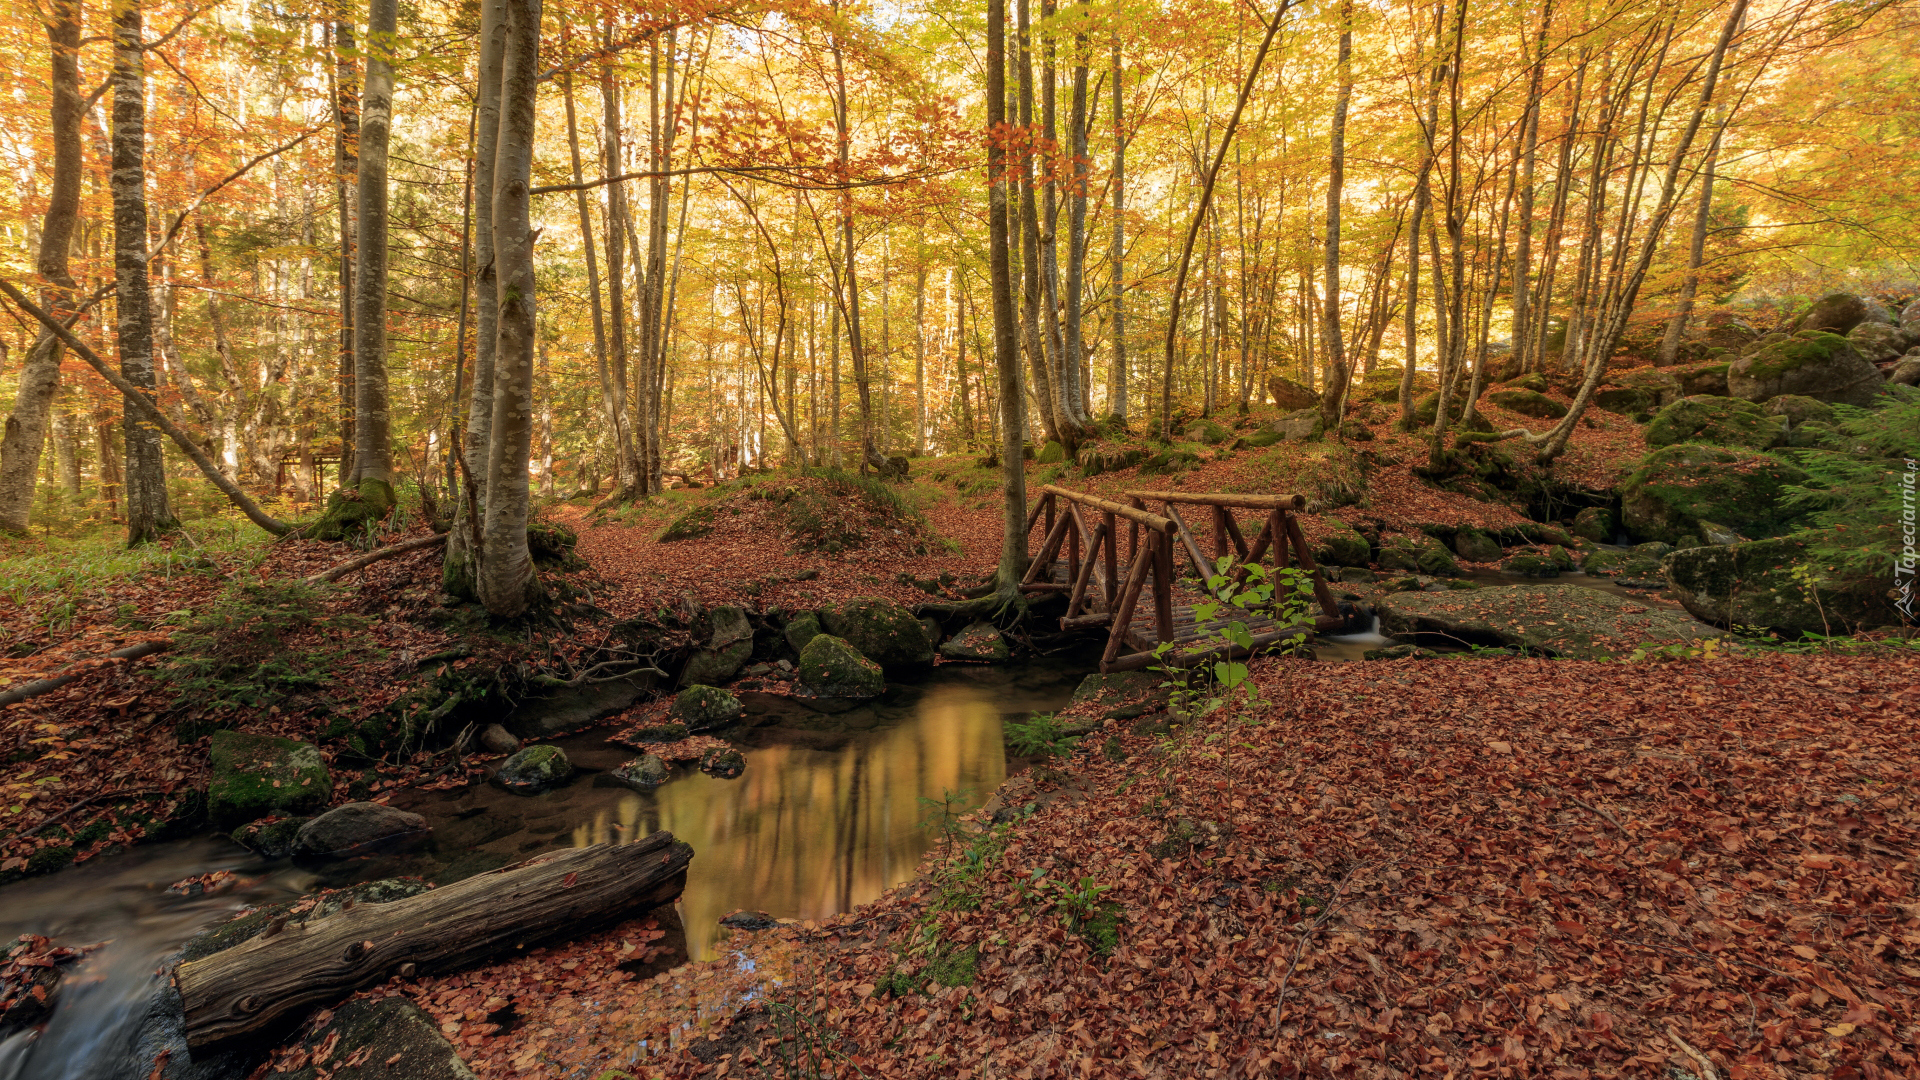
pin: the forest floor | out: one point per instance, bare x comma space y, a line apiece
1499, 867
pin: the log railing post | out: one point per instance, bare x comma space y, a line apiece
1113, 560
1122, 626
1085, 574
1328, 606
1220, 519
1043, 563
1162, 556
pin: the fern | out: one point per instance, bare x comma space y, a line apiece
1853, 496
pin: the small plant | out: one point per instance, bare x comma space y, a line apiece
1285, 596
1675, 650
943, 820
1041, 736
1096, 921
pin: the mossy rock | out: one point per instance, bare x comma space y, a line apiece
551, 544
981, 642
1657, 383
1343, 547
1052, 453
1625, 400
1528, 403
701, 707
693, 524
1722, 421
1815, 364
716, 664
1169, 461
1421, 554
1208, 432
644, 773
801, 629
1878, 342
1258, 440
1839, 312
1474, 545
1355, 431
1596, 523
1535, 382
1677, 487
271, 837
256, 776
1608, 562
882, 630
723, 761
1532, 564
1301, 425
1753, 584
1708, 378
376, 1031
535, 769
831, 667
1800, 410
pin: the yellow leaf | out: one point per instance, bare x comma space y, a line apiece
1840, 1029
1804, 953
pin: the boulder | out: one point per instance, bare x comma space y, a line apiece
1355, 431
1261, 439
1723, 421
1752, 584
1910, 317
1625, 400
363, 1035
881, 630
729, 645
749, 921
1878, 342
801, 629
1612, 562
1906, 372
1840, 312
535, 769
256, 776
980, 641
496, 739
723, 761
644, 773
1052, 453
1342, 547
1819, 365
1797, 410
1288, 395
1535, 382
1560, 620
1729, 332
1677, 487
1476, 546
1528, 403
704, 707
1714, 533
1707, 378
663, 731
345, 830
1208, 432
1653, 549
1551, 561
831, 667
1419, 553
1301, 425
1658, 383
1169, 461
1596, 523
271, 837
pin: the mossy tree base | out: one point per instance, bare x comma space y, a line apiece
352, 513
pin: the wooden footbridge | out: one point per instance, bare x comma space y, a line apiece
1134, 597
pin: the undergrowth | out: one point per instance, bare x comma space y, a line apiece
242, 651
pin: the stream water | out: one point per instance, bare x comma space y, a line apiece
827, 816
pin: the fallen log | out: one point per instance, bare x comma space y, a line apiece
257, 987
41, 686
377, 555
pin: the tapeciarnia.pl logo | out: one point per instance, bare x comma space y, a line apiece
1908, 560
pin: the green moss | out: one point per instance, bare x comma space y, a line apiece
1343, 547
694, 523
551, 545
1722, 421
882, 630
1052, 453
955, 967
1421, 554
832, 667
1528, 403
257, 776
1796, 352
1677, 487
49, 859
352, 513
700, 706
670, 731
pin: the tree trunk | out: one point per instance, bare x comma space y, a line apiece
856, 346
919, 445
627, 469
1032, 266
1001, 175
1117, 379
506, 581
372, 449
609, 406
253, 989
26, 427
148, 513
1523, 253
459, 575
1333, 396
1074, 354
1696, 254
1422, 196
346, 144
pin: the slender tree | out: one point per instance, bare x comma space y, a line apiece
372, 452
1333, 395
1002, 175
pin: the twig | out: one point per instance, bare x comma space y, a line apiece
41, 686
1602, 813
1707, 1071
1300, 946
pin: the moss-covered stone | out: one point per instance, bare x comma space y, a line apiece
723, 761
535, 769
1301, 425
1288, 395
1534, 563
831, 667
1839, 312
712, 665
980, 641
1625, 400
1534, 381
256, 776
1419, 553
1560, 620
1596, 523
1657, 383
1708, 378
1677, 487
364, 1034
1343, 547
1722, 421
271, 837
801, 629
1169, 461
1753, 584
551, 545
1474, 545
665, 731
1208, 432
1052, 453
1612, 562
880, 629
701, 707
1799, 410
694, 523
1528, 403
1815, 364
644, 773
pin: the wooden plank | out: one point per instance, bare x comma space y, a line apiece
1086, 571
1245, 502
1034, 515
1134, 514
1233, 533
1162, 587
1123, 615
1048, 550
